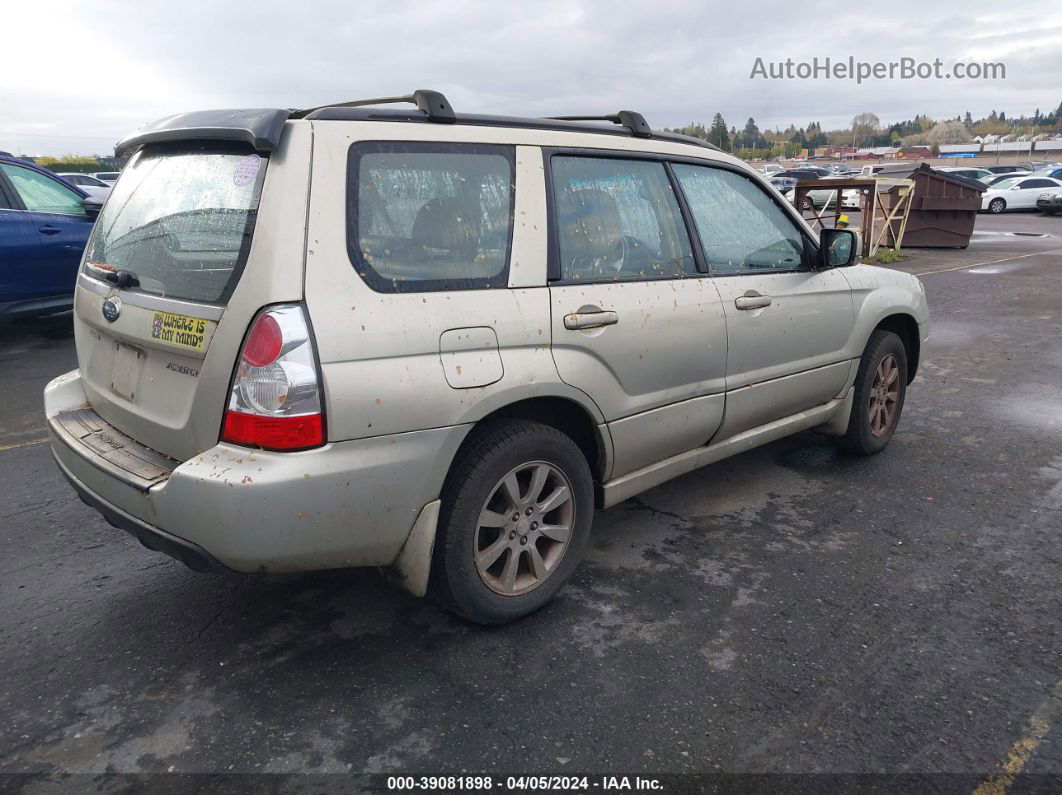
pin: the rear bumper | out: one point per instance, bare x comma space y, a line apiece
191, 555
345, 504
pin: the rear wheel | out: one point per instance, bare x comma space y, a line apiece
997, 206
807, 204
516, 515
880, 389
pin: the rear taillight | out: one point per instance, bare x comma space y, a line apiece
275, 403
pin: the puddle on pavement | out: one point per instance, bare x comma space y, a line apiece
985, 233
1041, 414
1004, 267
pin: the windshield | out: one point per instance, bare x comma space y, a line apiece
1003, 184
180, 222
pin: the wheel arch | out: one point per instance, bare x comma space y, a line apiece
905, 327
566, 415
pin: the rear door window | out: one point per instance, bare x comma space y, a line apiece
424, 217
180, 221
617, 220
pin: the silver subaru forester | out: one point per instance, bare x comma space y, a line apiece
437, 342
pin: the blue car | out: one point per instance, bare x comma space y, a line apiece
44, 225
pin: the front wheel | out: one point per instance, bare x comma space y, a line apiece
880, 389
516, 515
997, 206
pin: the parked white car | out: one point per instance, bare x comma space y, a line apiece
438, 342
990, 181
110, 177
851, 199
97, 189
1019, 193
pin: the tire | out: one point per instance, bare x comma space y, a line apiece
807, 204
473, 500
997, 206
863, 436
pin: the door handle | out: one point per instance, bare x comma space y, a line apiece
752, 300
48, 229
588, 317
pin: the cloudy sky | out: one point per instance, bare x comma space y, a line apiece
81, 75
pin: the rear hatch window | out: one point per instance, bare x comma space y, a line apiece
179, 222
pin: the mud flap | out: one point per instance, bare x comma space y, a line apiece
838, 424
413, 564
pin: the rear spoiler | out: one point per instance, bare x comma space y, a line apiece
259, 127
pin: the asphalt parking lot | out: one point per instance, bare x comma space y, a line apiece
791, 610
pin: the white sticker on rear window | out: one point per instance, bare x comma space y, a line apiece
246, 171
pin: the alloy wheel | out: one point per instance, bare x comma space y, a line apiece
524, 528
884, 395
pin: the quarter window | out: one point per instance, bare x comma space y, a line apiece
430, 216
42, 194
618, 220
740, 227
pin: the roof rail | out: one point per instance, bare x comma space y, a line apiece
633, 121
433, 103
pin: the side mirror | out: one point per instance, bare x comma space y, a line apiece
92, 206
839, 247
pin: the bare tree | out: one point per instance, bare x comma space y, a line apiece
863, 125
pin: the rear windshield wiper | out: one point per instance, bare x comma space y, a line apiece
122, 279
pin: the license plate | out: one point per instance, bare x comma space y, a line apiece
180, 330
125, 370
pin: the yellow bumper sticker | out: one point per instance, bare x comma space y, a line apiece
187, 332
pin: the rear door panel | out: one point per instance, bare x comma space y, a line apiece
658, 374
622, 247
62, 241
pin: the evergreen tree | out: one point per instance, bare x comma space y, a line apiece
751, 137
717, 133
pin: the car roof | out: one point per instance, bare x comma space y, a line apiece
262, 127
